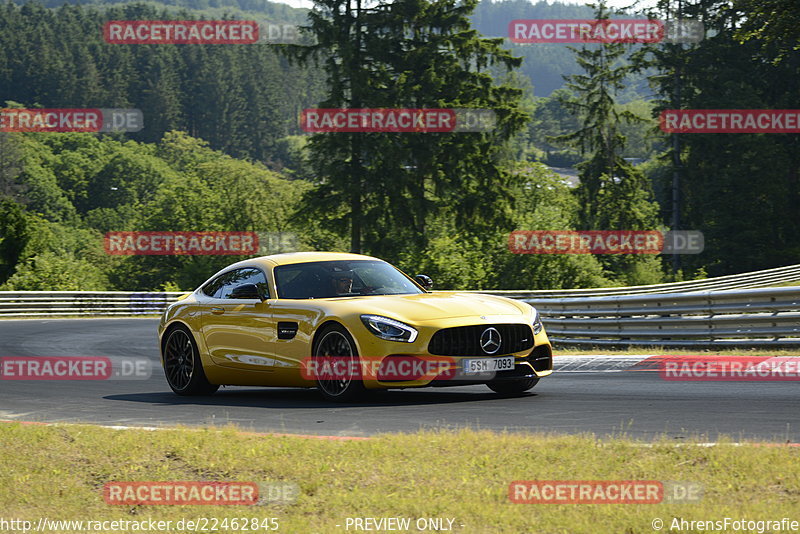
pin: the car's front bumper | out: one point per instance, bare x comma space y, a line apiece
375, 354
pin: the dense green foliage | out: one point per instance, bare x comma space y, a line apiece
613, 194
76, 187
544, 64
221, 149
388, 188
71, 192
240, 98
741, 190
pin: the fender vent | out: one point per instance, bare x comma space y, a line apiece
287, 330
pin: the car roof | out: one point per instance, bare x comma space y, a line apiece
306, 257
289, 258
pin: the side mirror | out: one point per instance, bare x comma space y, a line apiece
424, 281
246, 291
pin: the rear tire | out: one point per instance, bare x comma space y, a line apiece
182, 365
336, 344
512, 387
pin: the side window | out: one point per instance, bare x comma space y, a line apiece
260, 280
240, 277
222, 286
211, 288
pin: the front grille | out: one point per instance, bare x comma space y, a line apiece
465, 340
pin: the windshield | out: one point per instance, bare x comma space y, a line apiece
328, 279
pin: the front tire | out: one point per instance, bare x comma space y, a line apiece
512, 387
335, 346
182, 365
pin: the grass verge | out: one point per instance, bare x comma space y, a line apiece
59, 472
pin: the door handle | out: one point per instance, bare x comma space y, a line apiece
217, 311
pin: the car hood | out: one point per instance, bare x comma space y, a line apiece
433, 306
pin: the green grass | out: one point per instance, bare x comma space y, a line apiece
59, 472
787, 284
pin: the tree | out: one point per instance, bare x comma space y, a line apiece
14, 235
613, 194
739, 189
10, 167
609, 184
383, 189
551, 120
776, 23
239, 98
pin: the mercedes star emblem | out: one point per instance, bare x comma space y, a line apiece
490, 340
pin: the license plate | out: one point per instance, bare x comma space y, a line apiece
488, 365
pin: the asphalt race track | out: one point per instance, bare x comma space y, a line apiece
638, 404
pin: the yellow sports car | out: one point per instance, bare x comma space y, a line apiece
345, 323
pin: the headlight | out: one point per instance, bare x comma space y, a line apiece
537, 322
389, 329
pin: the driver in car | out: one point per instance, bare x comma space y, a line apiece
343, 282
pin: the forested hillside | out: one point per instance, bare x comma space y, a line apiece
544, 64
268, 11
60, 193
241, 99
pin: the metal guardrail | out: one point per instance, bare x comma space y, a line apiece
82, 303
748, 317
712, 312
765, 278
